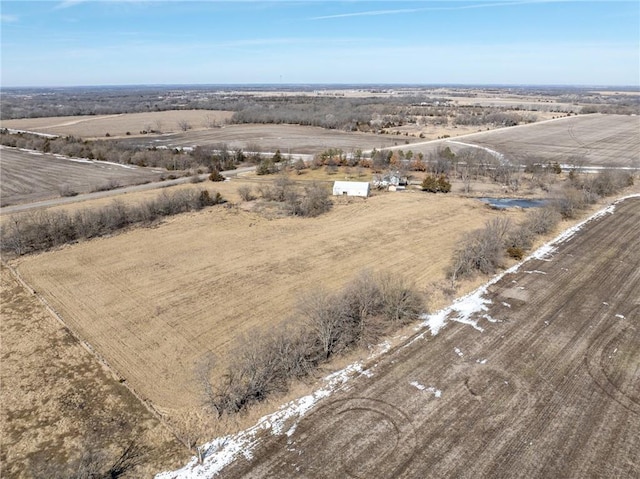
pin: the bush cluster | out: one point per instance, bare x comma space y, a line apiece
434, 184
585, 190
310, 201
325, 324
42, 230
483, 250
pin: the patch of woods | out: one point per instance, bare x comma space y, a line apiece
289, 198
324, 325
42, 230
485, 250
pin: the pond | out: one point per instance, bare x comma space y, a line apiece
503, 203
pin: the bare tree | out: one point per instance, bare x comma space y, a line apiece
184, 125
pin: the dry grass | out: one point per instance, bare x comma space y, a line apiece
54, 394
155, 301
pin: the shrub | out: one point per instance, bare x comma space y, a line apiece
67, 190
433, 184
482, 250
266, 167
216, 176
515, 252
246, 193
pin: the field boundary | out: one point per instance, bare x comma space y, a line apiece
101, 360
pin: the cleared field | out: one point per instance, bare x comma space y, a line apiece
593, 140
32, 176
118, 125
588, 140
288, 138
546, 385
155, 301
57, 402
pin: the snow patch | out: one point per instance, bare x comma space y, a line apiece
418, 386
620, 316
506, 305
421, 387
222, 451
458, 352
535, 271
481, 361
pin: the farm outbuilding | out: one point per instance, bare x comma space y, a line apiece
351, 188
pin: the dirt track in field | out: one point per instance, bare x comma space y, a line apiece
552, 389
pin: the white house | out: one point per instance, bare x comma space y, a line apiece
351, 188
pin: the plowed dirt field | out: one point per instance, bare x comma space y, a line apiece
549, 388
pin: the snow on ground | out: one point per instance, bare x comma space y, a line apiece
421, 387
222, 451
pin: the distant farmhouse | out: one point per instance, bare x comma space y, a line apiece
393, 181
351, 188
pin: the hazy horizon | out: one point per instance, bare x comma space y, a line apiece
84, 43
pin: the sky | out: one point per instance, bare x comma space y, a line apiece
490, 42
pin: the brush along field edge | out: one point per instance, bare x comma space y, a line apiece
222, 451
153, 301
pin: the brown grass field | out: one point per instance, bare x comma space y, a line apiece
549, 388
57, 399
155, 301
27, 177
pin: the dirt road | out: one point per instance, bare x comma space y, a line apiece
547, 383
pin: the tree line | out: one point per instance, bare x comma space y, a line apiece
42, 230
324, 325
485, 250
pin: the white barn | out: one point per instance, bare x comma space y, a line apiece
351, 188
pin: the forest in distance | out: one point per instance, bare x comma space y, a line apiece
249, 101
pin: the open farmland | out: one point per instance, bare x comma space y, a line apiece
294, 138
29, 176
97, 126
155, 301
535, 375
588, 140
57, 402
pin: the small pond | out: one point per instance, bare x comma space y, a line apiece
502, 203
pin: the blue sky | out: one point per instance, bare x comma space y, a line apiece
75, 42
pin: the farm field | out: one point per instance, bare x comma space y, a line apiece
155, 301
97, 126
586, 140
32, 176
543, 380
590, 140
293, 138
57, 402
